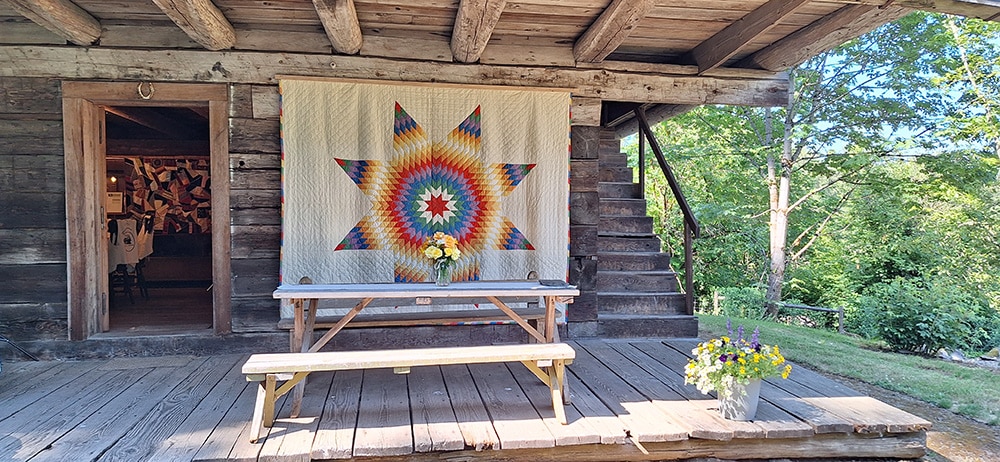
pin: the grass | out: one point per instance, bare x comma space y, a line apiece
966, 390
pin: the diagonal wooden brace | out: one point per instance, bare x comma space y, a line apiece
267, 396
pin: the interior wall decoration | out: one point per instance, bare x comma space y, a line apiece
177, 190
370, 170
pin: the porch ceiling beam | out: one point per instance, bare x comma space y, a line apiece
340, 21
148, 119
202, 21
988, 10
474, 24
61, 17
718, 48
824, 34
261, 68
610, 29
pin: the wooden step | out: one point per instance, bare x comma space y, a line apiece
623, 207
623, 224
619, 190
633, 261
632, 281
606, 154
616, 174
617, 325
640, 303
608, 242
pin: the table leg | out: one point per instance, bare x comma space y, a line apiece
550, 319
304, 342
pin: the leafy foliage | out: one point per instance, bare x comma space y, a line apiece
895, 199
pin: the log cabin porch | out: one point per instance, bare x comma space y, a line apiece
628, 403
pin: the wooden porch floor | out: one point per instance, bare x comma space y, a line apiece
624, 392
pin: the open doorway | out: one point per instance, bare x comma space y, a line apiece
159, 216
85, 113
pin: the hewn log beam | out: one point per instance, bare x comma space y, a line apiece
826, 33
474, 24
340, 21
988, 10
255, 67
202, 21
610, 29
718, 48
61, 17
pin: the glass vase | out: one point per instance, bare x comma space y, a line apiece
442, 272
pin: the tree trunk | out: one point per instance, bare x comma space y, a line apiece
779, 188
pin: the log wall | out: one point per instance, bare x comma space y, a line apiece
32, 197
32, 210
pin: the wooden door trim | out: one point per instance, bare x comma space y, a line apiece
86, 285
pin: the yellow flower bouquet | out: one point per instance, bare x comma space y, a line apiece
442, 249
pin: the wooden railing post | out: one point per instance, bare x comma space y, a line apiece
691, 228
642, 165
688, 270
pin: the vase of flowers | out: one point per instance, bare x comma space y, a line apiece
442, 249
733, 367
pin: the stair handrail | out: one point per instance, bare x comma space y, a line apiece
692, 230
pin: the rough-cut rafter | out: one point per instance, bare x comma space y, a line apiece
654, 115
61, 17
148, 119
340, 21
718, 48
474, 24
610, 29
252, 67
202, 21
826, 33
983, 9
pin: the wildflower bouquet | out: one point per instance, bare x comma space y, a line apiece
721, 363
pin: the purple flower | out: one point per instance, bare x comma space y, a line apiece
739, 334
755, 339
729, 327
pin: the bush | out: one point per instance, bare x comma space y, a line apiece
738, 302
921, 316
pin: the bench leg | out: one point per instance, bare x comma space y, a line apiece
557, 374
263, 410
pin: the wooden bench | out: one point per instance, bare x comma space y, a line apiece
545, 360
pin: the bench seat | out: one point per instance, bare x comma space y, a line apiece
546, 360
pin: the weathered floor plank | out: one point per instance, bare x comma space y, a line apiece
170, 412
33, 428
194, 431
473, 420
640, 418
335, 434
435, 427
577, 430
384, 416
38, 381
622, 391
102, 428
232, 429
514, 418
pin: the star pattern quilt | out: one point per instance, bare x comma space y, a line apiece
370, 170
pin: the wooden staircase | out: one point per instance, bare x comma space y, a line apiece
637, 290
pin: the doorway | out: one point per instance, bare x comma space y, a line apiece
159, 186
113, 129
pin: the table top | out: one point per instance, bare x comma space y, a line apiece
516, 288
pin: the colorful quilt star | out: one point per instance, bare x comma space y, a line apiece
431, 186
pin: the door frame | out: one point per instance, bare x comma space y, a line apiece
83, 136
